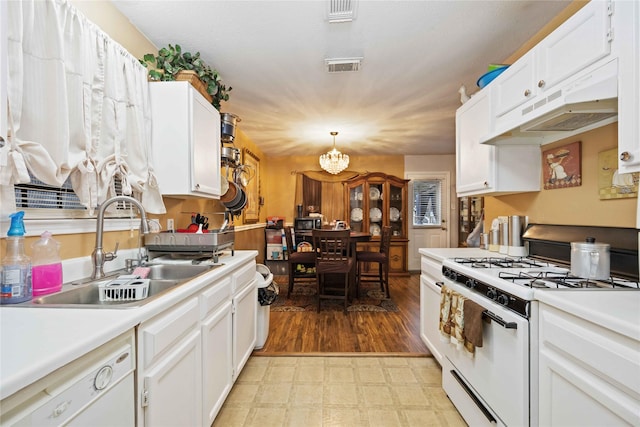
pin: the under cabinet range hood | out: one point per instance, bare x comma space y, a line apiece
586, 103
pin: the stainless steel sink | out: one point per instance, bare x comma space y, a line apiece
176, 271
89, 295
86, 294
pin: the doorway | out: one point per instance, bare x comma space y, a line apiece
429, 214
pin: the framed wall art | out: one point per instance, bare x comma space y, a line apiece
561, 166
611, 184
252, 164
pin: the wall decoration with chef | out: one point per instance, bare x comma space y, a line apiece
561, 166
611, 184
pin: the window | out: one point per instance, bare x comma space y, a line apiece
427, 202
40, 200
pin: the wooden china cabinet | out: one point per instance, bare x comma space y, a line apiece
372, 201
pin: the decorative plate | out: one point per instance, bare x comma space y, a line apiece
375, 215
374, 229
356, 214
374, 193
394, 214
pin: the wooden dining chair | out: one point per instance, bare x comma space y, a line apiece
295, 258
380, 257
333, 256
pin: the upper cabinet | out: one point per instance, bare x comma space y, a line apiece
185, 141
565, 85
627, 21
487, 169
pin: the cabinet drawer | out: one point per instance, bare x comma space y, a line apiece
162, 332
214, 296
243, 277
603, 352
431, 267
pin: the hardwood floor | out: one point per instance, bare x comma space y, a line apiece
310, 332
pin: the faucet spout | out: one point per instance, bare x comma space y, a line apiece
99, 257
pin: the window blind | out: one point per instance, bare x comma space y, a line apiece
427, 200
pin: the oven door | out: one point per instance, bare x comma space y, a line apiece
493, 385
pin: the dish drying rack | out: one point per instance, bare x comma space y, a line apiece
124, 288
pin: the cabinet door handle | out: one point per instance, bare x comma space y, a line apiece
444, 228
527, 92
197, 186
625, 156
541, 83
486, 184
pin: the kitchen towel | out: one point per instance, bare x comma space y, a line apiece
451, 323
473, 322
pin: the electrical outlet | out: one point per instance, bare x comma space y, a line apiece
170, 224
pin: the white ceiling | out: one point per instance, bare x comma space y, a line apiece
403, 99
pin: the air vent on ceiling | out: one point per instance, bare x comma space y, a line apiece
339, 65
341, 10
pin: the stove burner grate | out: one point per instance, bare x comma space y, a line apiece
499, 262
556, 279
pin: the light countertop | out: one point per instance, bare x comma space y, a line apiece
441, 254
36, 341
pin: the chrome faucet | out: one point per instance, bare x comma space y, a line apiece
98, 257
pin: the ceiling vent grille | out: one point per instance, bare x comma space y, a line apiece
340, 65
341, 10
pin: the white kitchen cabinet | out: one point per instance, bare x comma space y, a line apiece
627, 21
170, 368
217, 349
185, 140
565, 54
245, 309
196, 350
430, 285
485, 169
588, 374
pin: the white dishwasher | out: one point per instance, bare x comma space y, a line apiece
95, 390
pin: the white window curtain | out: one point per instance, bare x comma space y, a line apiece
78, 108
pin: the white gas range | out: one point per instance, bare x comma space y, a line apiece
499, 384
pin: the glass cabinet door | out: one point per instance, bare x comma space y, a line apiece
396, 206
356, 207
376, 210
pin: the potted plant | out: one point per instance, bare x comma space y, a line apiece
171, 63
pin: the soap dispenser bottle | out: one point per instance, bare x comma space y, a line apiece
46, 272
16, 266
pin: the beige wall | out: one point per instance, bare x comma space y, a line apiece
576, 205
280, 179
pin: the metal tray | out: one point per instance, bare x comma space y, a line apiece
189, 242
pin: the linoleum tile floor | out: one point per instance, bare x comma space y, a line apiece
361, 391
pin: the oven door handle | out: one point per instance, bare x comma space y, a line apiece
499, 320
473, 397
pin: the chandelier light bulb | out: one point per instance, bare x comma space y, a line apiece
334, 161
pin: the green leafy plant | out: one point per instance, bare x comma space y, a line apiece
171, 60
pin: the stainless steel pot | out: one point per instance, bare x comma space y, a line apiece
228, 126
590, 260
230, 156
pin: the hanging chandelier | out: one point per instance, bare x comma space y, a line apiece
334, 161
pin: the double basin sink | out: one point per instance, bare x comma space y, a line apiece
86, 294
